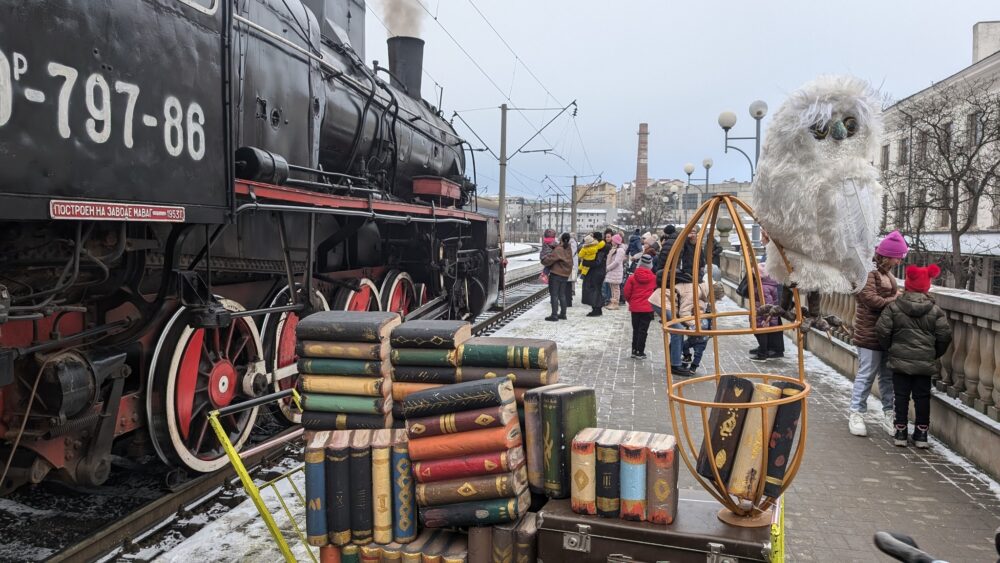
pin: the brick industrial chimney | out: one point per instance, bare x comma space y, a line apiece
642, 164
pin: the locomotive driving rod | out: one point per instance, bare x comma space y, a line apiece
348, 212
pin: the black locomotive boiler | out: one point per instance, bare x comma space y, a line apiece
180, 182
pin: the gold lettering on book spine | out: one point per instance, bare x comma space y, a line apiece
547, 445
720, 458
728, 425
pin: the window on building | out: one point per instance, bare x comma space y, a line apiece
691, 201
900, 209
995, 277
885, 157
974, 130
921, 154
904, 151
944, 214
944, 143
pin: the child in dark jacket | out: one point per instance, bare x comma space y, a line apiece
915, 332
638, 288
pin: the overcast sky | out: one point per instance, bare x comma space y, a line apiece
673, 64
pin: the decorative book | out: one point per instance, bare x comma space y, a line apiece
527, 353
609, 473
341, 385
361, 487
786, 422
480, 544
404, 513
424, 357
525, 539
425, 374
348, 404
632, 453
662, 468
347, 326
318, 420
476, 513
479, 464
583, 471
533, 435
488, 417
402, 390
338, 487
458, 397
316, 487
565, 412
483, 487
433, 334
382, 485
335, 366
750, 453
466, 443
503, 542
725, 425
343, 350
521, 377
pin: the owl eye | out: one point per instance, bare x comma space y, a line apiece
851, 125
820, 131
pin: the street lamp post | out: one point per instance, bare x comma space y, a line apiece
727, 120
689, 169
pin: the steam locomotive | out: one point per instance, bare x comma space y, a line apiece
180, 182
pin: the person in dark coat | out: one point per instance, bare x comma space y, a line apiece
593, 280
669, 237
915, 332
560, 264
634, 243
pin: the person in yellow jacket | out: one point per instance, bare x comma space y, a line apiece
589, 251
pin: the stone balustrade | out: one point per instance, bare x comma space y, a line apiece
964, 407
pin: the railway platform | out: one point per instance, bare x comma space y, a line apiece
847, 488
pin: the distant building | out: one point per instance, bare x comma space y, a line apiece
602, 194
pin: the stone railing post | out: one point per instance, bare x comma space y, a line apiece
987, 366
971, 366
958, 356
991, 410
944, 378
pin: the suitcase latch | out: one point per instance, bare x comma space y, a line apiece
715, 554
578, 540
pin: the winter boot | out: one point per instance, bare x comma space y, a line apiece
888, 421
920, 436
899, 438
856, 424
552, 318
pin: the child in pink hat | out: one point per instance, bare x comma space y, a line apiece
880, 290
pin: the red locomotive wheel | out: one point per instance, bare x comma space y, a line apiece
195, 371
365, 298
397, 293
279, 344
420, 294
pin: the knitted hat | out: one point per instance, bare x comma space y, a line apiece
617, 239
669, 230
646, 261
919, 279
645, 236
893, 246
550, 233
588, 239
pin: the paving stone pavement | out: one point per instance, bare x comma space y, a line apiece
847, 487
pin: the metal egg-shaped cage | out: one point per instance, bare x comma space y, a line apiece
752, 507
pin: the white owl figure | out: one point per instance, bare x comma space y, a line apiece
816, 192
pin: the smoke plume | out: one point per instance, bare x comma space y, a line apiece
403, 17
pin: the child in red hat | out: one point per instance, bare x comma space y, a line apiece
915, 333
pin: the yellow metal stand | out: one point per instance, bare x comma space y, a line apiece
251, 488
778, 531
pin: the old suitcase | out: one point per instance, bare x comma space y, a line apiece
696, 536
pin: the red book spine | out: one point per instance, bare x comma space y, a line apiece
452, 423
481, 464
466, 443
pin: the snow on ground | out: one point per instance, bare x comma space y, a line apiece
509, 247
241, 535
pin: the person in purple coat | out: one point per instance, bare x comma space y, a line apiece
770, 345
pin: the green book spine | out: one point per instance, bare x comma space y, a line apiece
422, 357
335, 366
345, 404
424, 374
475, 513
565, 412
522, 353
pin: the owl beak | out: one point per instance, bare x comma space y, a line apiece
838, 131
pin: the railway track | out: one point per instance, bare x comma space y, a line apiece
140, 534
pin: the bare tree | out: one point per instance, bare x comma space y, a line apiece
947, 156
652, 211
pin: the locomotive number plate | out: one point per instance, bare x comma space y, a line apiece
103, 211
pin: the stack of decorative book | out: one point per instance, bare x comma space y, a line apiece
426, 354
344, 372
627, 475
553, 415
740, 437
465, 445
359, 488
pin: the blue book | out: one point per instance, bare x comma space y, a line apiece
633, 475
404, 510
315, 457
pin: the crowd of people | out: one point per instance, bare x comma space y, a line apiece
900, 333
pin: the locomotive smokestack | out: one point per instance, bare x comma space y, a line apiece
406, 63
